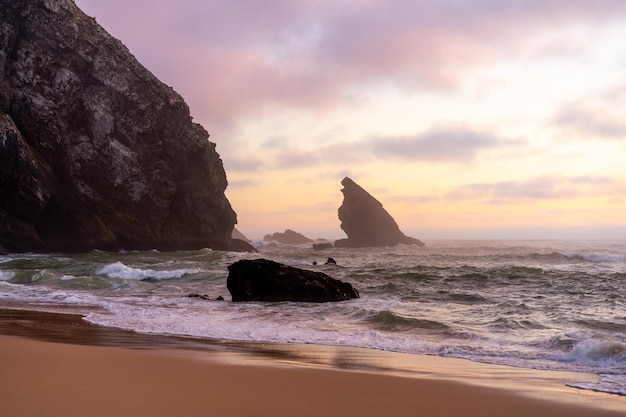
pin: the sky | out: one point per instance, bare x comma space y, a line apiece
466, 119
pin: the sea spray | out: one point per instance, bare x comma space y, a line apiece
119, 270
555, 305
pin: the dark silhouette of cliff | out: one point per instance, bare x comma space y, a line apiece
366, 222
95, 151
289, 237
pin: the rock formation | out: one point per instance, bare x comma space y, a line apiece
236, 234
95, 152
366, 222
290, 237
265, 280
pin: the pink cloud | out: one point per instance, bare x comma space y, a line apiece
534, 189
292, 158
444, 144
592, 121
232, 59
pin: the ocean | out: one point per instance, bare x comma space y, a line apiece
545, 304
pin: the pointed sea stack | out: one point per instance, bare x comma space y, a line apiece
95, 151
366, 222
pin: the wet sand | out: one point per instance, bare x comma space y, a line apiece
58, 365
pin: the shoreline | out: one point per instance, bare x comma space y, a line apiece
74, 350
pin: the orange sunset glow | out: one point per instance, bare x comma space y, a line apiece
466, 119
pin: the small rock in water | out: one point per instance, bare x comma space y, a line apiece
203, 296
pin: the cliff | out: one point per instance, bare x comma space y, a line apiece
96, 152
366, 222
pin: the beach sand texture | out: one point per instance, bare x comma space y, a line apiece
42, 378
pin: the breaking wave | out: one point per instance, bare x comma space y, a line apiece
119, 270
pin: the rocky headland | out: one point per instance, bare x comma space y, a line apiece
95, 151
366, 222
289, 237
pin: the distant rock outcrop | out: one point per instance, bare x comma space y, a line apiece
289, 237
366, 222
265, 280
96, 152
236, 234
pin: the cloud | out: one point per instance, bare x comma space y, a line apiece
233, 59
539, 188
592, 121
445, 144
293, 158
436, 145
283, 155
244, 164
415, 199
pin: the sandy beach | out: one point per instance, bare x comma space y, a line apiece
54, 365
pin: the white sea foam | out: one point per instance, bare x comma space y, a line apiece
525, 309
613, 384
605, 356
119, 270
34, 296
600, 257
6, 276
220, 320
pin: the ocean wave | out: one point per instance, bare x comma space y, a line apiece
612, 384
607, 356
35, 261
611, 326
92, 283
535, 257
35, 297
475, 276
560, 257
466, 298
518, 272
25, 276
598, 257
388, 320
6, 276
119, 270
558, 343
416, 276
525, 304
502, 323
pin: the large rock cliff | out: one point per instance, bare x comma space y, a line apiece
95, 152
366, 222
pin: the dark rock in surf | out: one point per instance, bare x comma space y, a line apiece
289, 237
205, 297
265, 280
366, 222
96, 152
